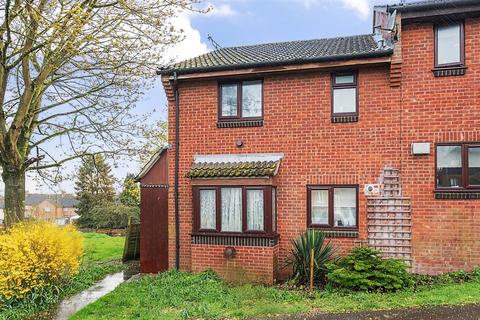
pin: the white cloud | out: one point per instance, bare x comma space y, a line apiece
361, 7
192, 44
309, 3
223, 10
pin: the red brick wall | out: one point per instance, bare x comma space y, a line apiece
446, 233
250, 264
297, 123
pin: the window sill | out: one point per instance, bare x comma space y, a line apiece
344, 119
460, 194
449, 71
239, 123
248, 240
332, 233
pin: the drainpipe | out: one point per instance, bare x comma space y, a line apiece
177, 155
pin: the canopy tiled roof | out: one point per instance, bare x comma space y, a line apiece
283, 53
235, 166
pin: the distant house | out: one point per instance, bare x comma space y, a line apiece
57, 208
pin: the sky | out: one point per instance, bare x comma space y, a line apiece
242, 22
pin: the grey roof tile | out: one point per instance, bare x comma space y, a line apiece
430, 4
65, 201
282, 53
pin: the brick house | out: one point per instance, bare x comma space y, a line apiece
374, 139
59, 209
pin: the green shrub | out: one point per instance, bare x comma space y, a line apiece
113, 215
300, 256
459, 276
364, 270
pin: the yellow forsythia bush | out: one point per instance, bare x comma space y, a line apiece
35, 255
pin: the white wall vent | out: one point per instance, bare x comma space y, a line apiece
420, 148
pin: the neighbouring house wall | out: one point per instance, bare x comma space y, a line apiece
446, 233
29, 211
68, 212
47, 211
297, 123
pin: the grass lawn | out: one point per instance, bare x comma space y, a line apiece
100, 247
175, 295
102, 256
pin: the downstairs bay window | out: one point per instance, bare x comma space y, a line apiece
234, 209
332, 206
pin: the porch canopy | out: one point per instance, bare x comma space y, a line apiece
258, 165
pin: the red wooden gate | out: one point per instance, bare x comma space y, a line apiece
154, 215
154, 230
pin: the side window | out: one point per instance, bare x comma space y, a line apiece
274, 209
319, 206
252, 99
449, 166
208, 207
332, 207
449, 45
345, 95
255, 208
345, 207
229, 101
241, 100
458, 166
473, 155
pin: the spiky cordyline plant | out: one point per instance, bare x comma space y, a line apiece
301, 252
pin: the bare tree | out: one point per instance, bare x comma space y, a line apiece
70, 73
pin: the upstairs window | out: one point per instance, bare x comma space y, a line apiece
344, 95
458, 166
234, 209
332, 207
449, 45
241, 100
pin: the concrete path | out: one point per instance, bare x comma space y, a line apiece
467, 312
